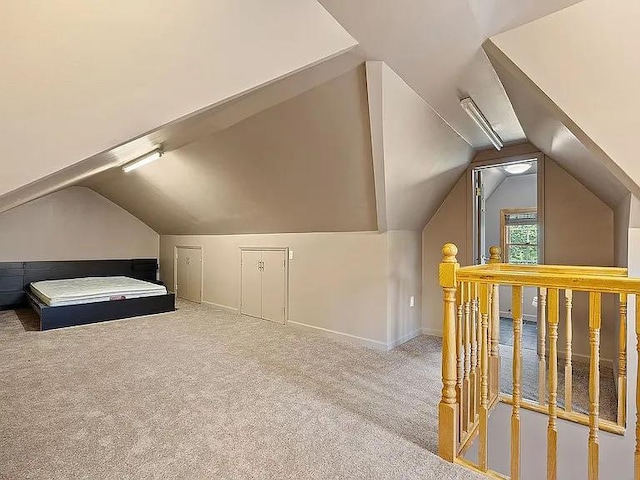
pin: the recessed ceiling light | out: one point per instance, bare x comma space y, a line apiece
143, 160
516, 168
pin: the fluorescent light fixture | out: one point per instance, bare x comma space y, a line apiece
516, 168
476, 115
143, 160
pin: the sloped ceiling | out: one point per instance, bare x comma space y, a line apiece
417, 156
79, 78
184, 131
435, 46
544, 127
587, 79
303, 165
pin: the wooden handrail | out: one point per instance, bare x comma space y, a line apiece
584, 283
471, 354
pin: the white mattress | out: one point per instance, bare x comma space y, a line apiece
76, 291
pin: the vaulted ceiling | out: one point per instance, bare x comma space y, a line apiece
265, 113
435, 46
303, 165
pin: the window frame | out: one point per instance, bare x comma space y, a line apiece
503, 230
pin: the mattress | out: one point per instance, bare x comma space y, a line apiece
77, 291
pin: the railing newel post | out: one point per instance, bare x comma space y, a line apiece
448, 408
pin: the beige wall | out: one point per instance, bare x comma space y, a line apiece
449, 224
74, 224
338, 282
110, 74
579, 230
404, 281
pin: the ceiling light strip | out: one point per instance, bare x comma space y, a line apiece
476, 115
143, 160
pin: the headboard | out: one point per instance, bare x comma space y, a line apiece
16, 276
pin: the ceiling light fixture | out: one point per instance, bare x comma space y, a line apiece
143, 160
469, 106
516, 168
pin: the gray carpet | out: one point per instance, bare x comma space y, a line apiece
580, 382
201, 393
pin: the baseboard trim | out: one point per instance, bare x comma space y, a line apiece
431, 331
354, 339
405, 338
221, 307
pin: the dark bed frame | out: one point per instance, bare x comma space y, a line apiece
15, 278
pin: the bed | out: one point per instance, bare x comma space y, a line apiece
71, 293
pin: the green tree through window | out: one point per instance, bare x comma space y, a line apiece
520, 235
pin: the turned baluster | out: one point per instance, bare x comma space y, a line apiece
474, 377
484, 383
479, 347
552, 429
542, 347
466, 381
516, 307
459, 343
568, 369
594, 382
622, 362
494, 372
448, 407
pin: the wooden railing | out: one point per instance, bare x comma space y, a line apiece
471, 354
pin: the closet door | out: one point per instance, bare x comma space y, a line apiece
251, 288
189, 274
274, 285
194, 260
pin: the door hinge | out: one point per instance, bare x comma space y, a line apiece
478, 191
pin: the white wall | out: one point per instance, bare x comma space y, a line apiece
74, 224
514, 192
338, 282
85, 78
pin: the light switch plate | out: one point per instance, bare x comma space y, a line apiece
412, 301
290, 254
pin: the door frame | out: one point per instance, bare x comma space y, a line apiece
286, 276
175, 268
539, 157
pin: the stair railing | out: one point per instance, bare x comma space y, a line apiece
471, 354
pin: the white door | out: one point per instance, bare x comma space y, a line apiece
251, 288
189, 274
274, 284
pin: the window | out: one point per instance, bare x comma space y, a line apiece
519, 235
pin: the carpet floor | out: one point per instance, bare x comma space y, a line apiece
530, 368
202, 393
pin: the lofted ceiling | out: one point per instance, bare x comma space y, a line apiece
435, 46
79, 78
417, 157
303, 165
544, 126
572, 91
284, 141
